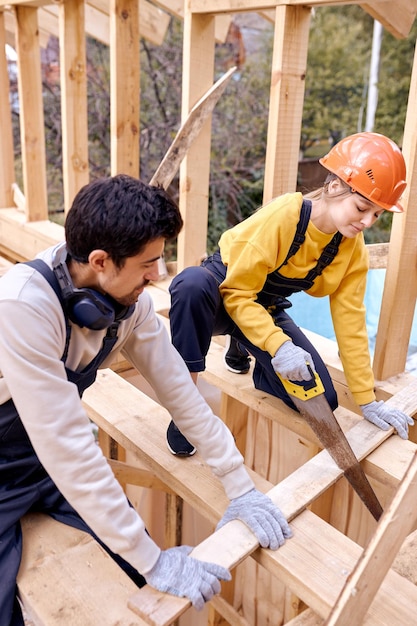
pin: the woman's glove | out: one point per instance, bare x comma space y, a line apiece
383, 416
177, 573
290, 362
264, 519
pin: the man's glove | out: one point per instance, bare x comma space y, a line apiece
290, 362
177, 573
264, 519
383, 416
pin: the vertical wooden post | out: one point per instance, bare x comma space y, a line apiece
289, 66
73, 98
32, 129
400, 288
124, 86
198, 73
6, 136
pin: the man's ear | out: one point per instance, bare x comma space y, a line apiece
97, 260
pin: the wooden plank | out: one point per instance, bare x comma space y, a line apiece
198, 74
66, 578
73, 72
400, 289
23, 240
368, 574
124, 87
289, 66
140, 476
6, 137
314, 563
112, 404
153, 22
396, 17
32, 129
221, 22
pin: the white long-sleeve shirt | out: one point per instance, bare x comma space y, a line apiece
32, 341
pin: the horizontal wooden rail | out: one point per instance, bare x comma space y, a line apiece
112, 403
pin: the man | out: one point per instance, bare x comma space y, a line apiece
60, 319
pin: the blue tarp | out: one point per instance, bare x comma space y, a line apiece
314, 313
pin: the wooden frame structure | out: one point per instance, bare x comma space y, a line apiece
270, 439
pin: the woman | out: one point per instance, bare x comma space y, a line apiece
294, 243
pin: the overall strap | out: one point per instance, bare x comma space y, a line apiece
300, 233
111, 335
49, 275
326, 257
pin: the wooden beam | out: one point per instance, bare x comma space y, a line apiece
397, 17
198, 74
6, 136
11, 30
23, 240
289, 66
367, 576
111, 403
400, 288
153, 22
124, 86
66, 577
73, 62
221, 22
32, 129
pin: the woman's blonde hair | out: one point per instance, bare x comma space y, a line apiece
345, 190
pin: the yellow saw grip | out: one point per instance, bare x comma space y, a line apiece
304, 389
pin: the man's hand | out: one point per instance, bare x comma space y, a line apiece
264, 519
290, 362
384, 416
177, 573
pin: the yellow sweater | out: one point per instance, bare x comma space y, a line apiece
259, 245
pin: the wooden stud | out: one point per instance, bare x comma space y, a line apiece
6, 137
73, 69
289, 66
366, 578
198, 71
32, 128
400, 288
124, 86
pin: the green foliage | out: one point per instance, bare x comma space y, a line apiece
394, 84
337, 66
335, 106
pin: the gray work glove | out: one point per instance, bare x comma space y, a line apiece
384, 416
264, 519
177, 573
290, 362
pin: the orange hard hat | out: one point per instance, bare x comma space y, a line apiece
372, 165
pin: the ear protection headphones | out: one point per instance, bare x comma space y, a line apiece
86, 307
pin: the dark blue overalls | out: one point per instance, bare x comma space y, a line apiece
197, 313
26, 487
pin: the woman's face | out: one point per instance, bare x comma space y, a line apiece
350, 213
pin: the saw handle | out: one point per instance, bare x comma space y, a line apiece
304, 389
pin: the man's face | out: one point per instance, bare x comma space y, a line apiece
126, 284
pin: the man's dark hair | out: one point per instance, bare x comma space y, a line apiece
120, 215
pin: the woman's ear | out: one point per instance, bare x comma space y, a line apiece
334, 186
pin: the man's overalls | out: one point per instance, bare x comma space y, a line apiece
26, 487
197, 313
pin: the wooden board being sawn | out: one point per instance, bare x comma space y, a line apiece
314, 563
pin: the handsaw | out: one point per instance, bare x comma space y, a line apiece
189, 131
185, 136
308, 397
